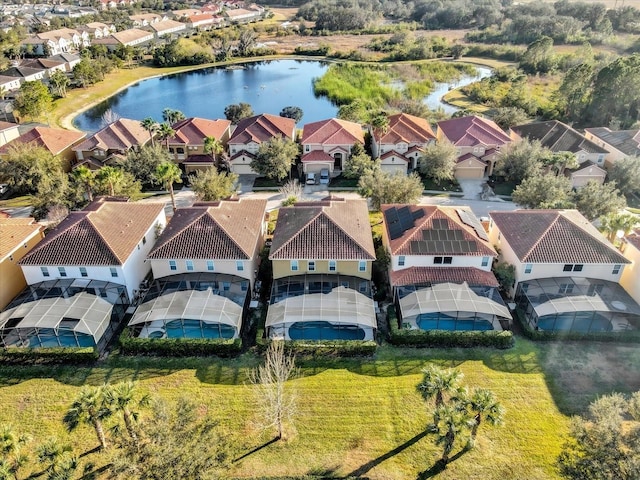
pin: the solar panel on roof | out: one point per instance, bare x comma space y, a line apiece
395, 230
459, 234
418, 214
469, 219
426, 234
473, 246
431, 246
405, 217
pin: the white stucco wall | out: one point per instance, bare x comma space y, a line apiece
427, 261
630, 279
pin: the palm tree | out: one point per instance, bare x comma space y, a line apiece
437, 382
379, 124
165, 132
112, 176
150, 125
86, 177
169, 173
172, 116
213, 147
89, 408
449, 423
12, 457
618, 222
121, 397
57, 456
483, 405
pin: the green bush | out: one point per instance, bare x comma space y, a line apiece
335, 348
68, 355
178, 347
445, 338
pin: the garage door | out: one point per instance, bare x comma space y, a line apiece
394, 168
242, 169
469, 172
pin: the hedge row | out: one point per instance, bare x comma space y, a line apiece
336, 348
178, 347
445, 338
72, 355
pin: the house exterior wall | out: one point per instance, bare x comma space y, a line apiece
428, 261
242, 165
581, 177
161, 267
282, 268
13, 280
251, 147
614, 154
630, 279
9, 134
12, 85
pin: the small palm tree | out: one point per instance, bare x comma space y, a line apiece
437, 382
57, 458
482, 404
615, 222
121, 398
213, 147
89, 408
150, 125
86, 177
110, 176
12, 456
169, 173
449, 422
379, 125
165, 132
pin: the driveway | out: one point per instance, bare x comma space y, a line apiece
472, 187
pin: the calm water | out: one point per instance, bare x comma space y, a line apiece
267, 86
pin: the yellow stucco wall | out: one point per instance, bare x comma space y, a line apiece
13, 281
282, 268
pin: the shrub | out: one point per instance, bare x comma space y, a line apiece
336, 348
178, 347
445, 338
68, 355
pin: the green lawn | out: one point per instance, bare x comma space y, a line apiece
358, 416
446, 186
504, 188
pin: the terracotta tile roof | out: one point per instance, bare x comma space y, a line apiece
56, 140
317, 156
193, 131
199, 159
469, 156
554, 236
104, 234
262, 128
404, 128
435, 230
472, 130
121, 135
558, 137
228, 229
333, 229
393, 153
7, 125
434, 275
14, 232
332, 132
623, 140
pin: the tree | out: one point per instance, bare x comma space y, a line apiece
210, 185
449, 423
167, 174
236, 112
121, 398
60, 463
165, 132
143, 163
292, 112
172, 116
13, 458
85, 178
438, 161
33, 99
60, 82
246, 42
85, 72
379, 125
383, 187
506, 275
594, 200
574, 94
507, 117
151, 126
275, 157
276, 403
626, 174
558, 162
25, 165
543, 191
213, 147
89, 408
438, 383
458, 50
520, 160
539, 56
604, 443
482, 405
291, 192
112, 177
358, 163
618, 222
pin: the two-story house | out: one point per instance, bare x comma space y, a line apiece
478, 141
128, 38
401, 145
204, 266
327, 144
322, 255
253, 131
187, 144
567, 274
166, 27
619, 143
440, 269
82, 276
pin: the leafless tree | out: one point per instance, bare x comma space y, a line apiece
109, 117
291, 192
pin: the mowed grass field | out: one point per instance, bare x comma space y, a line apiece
360, 417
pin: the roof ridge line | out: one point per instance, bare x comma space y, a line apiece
540, 237
156, 246
248, 254
95, 228
345, 232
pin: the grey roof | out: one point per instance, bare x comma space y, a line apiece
623, 140
558, 137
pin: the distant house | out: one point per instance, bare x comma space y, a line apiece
57, 141
630, 279
187, 145
327, 144
202, 21
400, 147
9, 84
250, 133
111, 144
567, 273
322, 255
8, 132
98, 29
478, 141
586, 172
127, 38
17, 237
146, 19
243, 15
26, 74
49, 66
70, 60
619, 144
58, 41
440, 269
166, 27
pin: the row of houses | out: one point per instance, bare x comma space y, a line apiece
195, 275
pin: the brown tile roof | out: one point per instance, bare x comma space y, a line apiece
105, 234
14, 232
472, 130
262, 128
435, 230
554, 236
317, 156
192, 131
332, 132
122, 135
404, 128
7, 125
56, 140
334, 229
433, 275
558, 137
229, 229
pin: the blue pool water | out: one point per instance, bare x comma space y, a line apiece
424, 322
324, 331
196, 329
581, 322
63, 340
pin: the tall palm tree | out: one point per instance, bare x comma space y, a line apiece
449, 423
437, 382
89, 408
169, 173
482, 404
112, 176
86, 177
379, 125
150, 125
213, 147
121, 397
615, 222
172, 116
165, 132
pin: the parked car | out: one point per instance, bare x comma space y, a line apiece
311, 178
324, 176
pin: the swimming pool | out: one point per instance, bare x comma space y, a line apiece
197, 329
64, 339
584, 322
325, 331
443, 322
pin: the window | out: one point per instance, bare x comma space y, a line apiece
180, 150
616, 269
45, 271
578, 268
83, 271
569, 267
189, 265
62, 271
226, 286
362, 266
144, 240
442, 260
173, 265
294, 265
311, 265
485, 261
210, 265
332, 266
595, 288
114, 272
363, 287
239, 265
401, 261
243, 286
307, 148
528, 268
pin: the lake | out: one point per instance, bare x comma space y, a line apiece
268, 86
